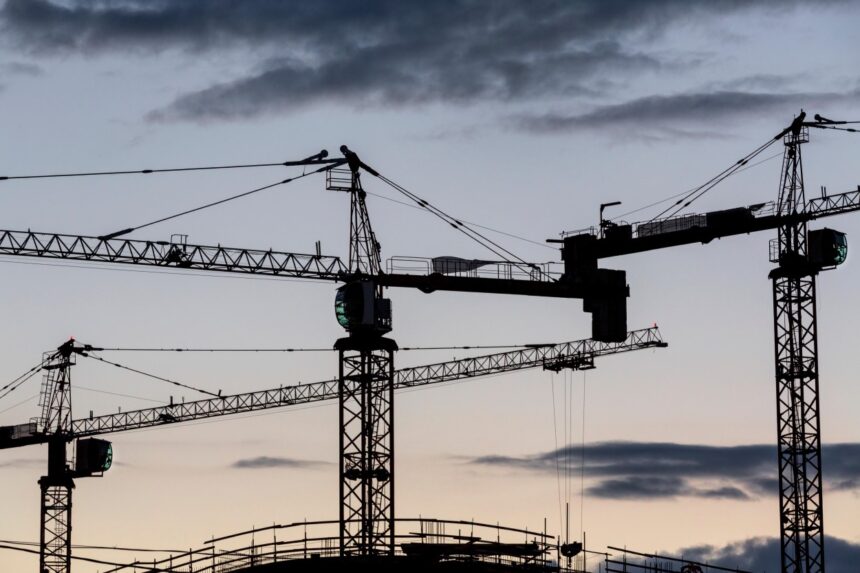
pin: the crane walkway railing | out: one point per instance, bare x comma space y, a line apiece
471, 268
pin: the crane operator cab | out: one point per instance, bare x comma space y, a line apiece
827, 248
360, 310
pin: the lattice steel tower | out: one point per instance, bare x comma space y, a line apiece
57, 485
366, 385
796, 345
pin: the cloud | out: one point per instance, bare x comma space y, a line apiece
643, 470
763, 554
657, 487
379, 52
266, 462
405, 75
662, 112
107, 25
767, 82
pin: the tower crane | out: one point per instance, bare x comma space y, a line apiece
366, 366
56, 427
799, 254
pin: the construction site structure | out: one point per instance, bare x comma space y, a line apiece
366, 369
366, 365
57, 427
800, 255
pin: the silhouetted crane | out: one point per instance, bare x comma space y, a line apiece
800, 254
57, 428
366, 379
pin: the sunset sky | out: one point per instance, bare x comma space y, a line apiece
520, 117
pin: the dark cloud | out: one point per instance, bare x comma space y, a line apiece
88, 25
380, 52
657, 487
641, 470
763, 554
401, 75
654, 113
266, 462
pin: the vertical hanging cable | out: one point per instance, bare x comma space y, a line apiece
556, 451
582, 467
566, 406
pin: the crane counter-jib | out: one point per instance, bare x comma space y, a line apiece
624, 239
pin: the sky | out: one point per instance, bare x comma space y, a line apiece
519, 117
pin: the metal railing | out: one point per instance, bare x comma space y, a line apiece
474, 268
416, 538
629, 561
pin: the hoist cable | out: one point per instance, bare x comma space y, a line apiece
505, 233
314, 160
153, 376
481, 239
582, 466
697, 192
87, 559
454, 222
848, 129
556, 451
34, 368
465, 347
98, 547
219, 202
20, 381
120, 394
654, 204
24, 401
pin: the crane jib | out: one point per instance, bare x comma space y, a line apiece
549, 356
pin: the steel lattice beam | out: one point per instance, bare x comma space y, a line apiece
328, 390
169, 254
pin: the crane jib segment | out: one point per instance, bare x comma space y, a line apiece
170, 254
547, 356
328, 390
181, 255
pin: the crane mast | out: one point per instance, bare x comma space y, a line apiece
365, 385
55, 528
796, 367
